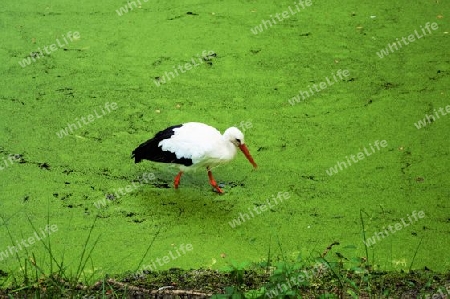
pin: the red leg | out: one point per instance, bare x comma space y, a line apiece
177, 179
213, 182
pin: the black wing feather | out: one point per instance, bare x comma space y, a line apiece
150, 150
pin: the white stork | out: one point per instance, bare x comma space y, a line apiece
193, 145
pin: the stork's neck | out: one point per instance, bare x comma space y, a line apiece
228, 150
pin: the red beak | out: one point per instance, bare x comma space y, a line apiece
249, 157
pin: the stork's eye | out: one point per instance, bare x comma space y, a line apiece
238, 140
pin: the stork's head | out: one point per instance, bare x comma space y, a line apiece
235, 136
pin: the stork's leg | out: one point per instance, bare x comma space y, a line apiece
213, 182
177, 179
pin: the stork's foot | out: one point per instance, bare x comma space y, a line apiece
213, 182
177, 179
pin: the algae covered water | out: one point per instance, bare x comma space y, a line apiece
344, 107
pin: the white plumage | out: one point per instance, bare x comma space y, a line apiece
193, 145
